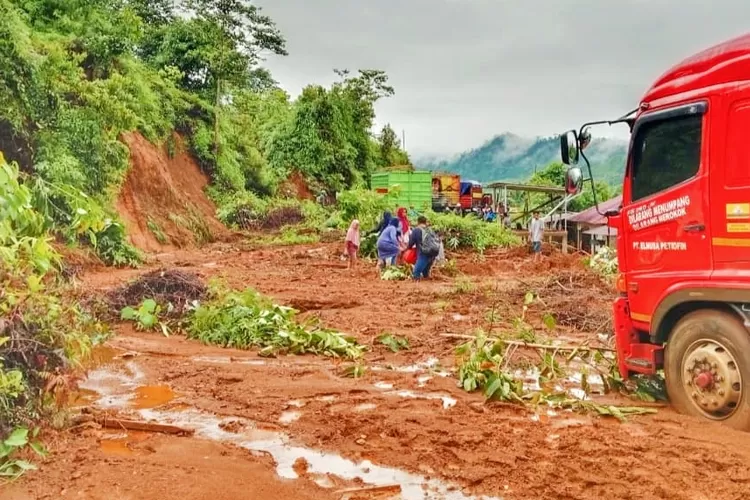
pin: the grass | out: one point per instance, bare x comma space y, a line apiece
156, 230
289, 236
463, 285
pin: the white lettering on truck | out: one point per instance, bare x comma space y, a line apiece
678, 246
652, 214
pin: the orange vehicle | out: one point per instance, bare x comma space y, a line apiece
683, 233
445, 191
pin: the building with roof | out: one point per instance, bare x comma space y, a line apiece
590, 226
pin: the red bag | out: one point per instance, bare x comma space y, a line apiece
410, 256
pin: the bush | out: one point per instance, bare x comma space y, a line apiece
470, 232
41, 336
365, 205
245, 320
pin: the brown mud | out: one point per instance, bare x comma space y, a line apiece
292, 427
162, 202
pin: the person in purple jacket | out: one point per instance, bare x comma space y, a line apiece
388, 244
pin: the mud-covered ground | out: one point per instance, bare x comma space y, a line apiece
294, 427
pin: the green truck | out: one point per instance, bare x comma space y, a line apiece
415, 188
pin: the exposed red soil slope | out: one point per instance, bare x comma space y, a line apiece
168, 192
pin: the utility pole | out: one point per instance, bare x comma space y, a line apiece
403, 139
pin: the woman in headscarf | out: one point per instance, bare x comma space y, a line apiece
404, 229
383, 223
388, 244
401, 214
352, 243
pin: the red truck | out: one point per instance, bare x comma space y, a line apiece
683, 241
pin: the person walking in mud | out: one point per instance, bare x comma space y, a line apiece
536, 232
428, 248
352, 244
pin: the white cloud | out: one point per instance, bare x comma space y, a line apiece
467, 70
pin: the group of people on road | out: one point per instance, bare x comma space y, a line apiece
398, 241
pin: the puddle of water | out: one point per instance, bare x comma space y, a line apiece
413, 487
422, 380
448, 402
383, 385
327, 399
288, 417
365, 407
278, 445
295, 403
116, 443
151, 396
102, 356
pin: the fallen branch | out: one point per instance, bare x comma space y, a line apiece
135, 425
391, 488
520, 343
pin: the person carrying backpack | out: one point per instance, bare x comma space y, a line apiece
427, 244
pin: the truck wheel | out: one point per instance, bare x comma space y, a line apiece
707, 368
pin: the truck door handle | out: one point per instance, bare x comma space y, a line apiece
694, 228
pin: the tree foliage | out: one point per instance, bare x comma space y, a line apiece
75, 75
554, 175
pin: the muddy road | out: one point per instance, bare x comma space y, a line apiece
294, 427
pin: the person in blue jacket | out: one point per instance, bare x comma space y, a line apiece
388, 244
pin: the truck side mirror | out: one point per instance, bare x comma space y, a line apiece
569, 147
573, 180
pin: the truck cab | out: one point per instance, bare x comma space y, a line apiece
684, 234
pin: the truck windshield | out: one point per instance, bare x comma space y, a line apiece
665, 153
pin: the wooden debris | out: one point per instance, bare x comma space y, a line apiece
353, 492
520, 343
135, 425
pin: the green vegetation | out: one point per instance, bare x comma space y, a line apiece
76, 76
41, 335
512, 158
146, 316
483, 365
12, 467
394, 342
246, 319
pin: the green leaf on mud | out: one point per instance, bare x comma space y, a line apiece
18, 438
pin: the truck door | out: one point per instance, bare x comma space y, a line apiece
730, 191
666, 224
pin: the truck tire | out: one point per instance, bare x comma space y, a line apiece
707, 368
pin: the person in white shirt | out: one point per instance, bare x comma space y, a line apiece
536, 231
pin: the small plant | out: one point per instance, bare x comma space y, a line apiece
13, 468
604, 262
357, 370
463, 285
481, 367
146, 317
155, 229
394, 273
394, 342
450, 268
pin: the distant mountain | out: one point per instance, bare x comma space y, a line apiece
508, 157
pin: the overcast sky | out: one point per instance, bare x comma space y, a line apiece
466, 70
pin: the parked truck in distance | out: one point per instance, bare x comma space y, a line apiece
683, 241
439, 191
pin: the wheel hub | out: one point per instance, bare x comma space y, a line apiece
712, 379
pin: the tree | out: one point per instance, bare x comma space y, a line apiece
389, 149
554, 175
154, 12
250, 30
